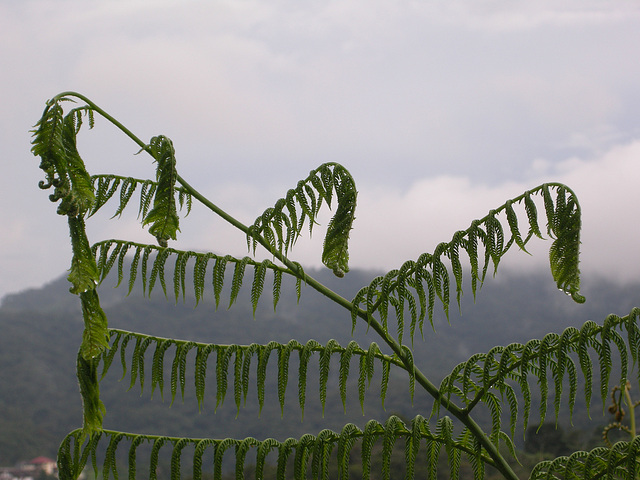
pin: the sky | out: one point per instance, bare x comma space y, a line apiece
440, 110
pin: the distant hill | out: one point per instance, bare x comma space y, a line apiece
40, 331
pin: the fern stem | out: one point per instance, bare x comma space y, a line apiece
106, 115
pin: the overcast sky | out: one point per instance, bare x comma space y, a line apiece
440, 110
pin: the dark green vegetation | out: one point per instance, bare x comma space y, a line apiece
41, 330
468, 420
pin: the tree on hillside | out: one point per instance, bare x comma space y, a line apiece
395, 307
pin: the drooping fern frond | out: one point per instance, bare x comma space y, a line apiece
149, 264
281, 225
555, 360
163, 217
310, 453
413, 287
236, 360
106, 186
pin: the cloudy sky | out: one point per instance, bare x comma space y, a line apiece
440, 110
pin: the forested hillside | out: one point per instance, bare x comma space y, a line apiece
41, 328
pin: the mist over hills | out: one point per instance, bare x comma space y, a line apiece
41, 331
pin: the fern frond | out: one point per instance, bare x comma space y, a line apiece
421, 282
104, 255
504, 369
281, 225
310, 451
163, 217
244, 355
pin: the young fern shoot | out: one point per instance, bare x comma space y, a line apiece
402, 298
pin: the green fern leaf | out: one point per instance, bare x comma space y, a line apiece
158, 443
127, 190
345, 363
109, 354
238, 274
277, 284
157, 368
304, 356
246, 365
222, 368
220, 450
202, 355
175, 458
110, 457
258, 283
324, 364
335, 254
512, 220
281, 225
180, 273
532, 215
157, 271
391, 427
237, 379
147, 194
83, 273
263, 450
371, 431
263, 359
122, 254
200, 448
178, 369
385, 381
133, 270
362, 381
284, 354
163, 217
